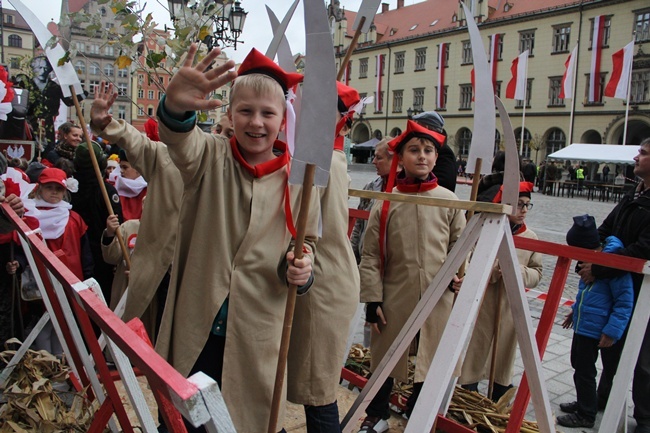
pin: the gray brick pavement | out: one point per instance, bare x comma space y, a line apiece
550, 219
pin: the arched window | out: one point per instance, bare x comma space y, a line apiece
525, 154
15, 41
109, 70
555, 141
464, 141
80, 67
497, 141
94, 68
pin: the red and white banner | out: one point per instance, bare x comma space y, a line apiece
442, 63
517, 86
566, 91
494, 57
621, 69
596, 52
379, 71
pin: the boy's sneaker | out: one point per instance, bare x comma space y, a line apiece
569, 407
574, 420
374, 424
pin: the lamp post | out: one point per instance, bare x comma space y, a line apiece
227, 20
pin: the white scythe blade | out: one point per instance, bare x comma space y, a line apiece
278, 34
367, 9
511, 172
315, 129
65, 74
484, 114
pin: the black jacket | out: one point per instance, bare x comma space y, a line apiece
445, 168
630, 222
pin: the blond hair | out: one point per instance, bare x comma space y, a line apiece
260, 84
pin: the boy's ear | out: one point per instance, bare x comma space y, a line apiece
284, 123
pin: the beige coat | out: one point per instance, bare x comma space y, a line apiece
232, 242
155, 249
322, 318
418, 240
112, 254
479, 352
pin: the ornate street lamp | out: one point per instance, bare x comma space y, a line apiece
227, 20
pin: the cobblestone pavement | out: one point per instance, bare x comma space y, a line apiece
550, 219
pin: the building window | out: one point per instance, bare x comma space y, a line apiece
639, 92
420, 59
80, 67
94, 86
102, 11
361, 96
399, 62
14, 63
380, 98
108, 25
160, 95
15, 41
464, 141
122, 89
109, 50
93, 49
81, 47
527, 42
561, 35
121, 112
150, 111
465, 97
499, 46
123, 73
599, 97
140, 79
554, 89
140, 111
444, 97
555, 141
363, 68
529, 93
525, 154
94, 68
497, 88
224, 98
109, 70
398, 100
606, 32
642, 26
150, 94
10, 19
140, 94
418, 98
467, 53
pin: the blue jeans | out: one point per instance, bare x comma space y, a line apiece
323, 419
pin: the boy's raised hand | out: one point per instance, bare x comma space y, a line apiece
105, 96
191, 84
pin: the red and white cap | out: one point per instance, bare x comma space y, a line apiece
53, 175
257, 63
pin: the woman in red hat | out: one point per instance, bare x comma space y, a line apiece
404, 248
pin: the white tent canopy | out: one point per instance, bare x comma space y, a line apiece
606, 153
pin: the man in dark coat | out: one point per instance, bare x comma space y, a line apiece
529, 170
630, 222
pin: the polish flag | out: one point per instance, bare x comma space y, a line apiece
622, 66
567, 79
379, 71
596, 52
442, 62
494, 57
517, 85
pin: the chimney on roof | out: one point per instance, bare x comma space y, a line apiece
400, 4
384, 7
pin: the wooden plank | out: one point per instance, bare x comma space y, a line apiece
457, 333
476, 206
219, 418
623, 376
514, 286
415, 321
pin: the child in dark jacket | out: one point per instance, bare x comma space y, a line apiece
599, 318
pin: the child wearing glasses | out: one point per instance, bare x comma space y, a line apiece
495, 304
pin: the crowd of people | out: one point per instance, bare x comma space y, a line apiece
209, 225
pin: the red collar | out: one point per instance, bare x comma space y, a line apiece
410, 184
264, 168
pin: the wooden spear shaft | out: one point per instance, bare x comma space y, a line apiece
100, 178
307, 187
351, 48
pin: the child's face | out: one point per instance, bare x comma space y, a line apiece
51, 192
522, 211
418, 158
127, 171
257, 120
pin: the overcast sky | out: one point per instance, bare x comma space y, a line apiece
257, 30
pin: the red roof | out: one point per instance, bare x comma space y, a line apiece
434, 16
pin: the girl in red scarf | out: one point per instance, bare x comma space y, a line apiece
404, 248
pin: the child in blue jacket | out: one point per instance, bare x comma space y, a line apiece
599, 317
